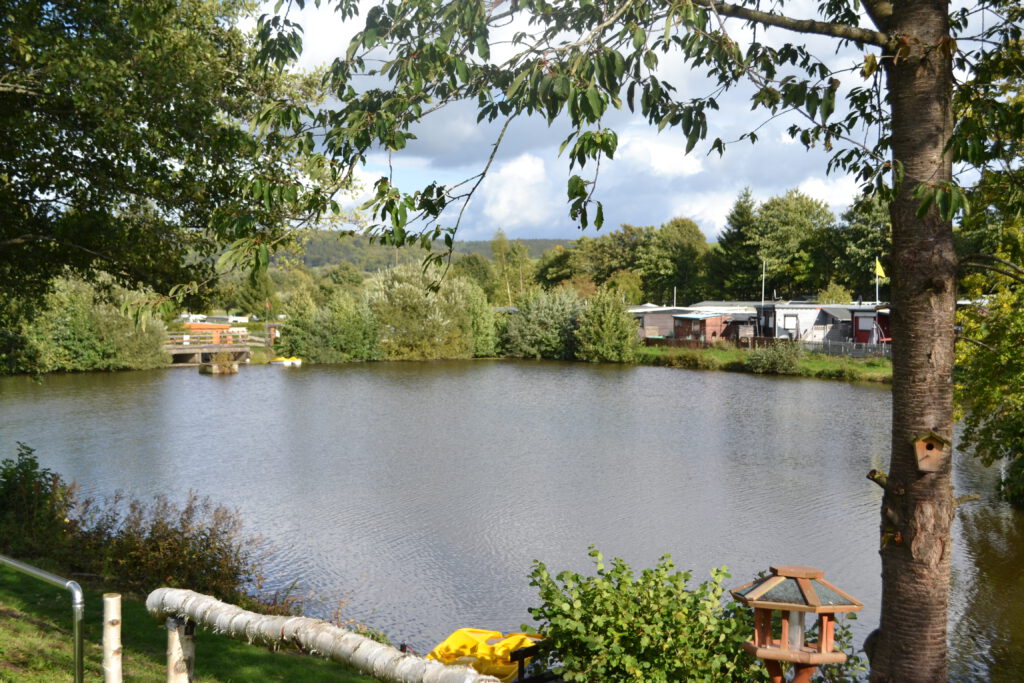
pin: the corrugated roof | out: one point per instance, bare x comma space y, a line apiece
837, 312
699, 315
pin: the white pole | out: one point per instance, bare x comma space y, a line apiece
764, 266
181, 652
877, 300
112, 638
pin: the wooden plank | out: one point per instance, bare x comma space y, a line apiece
844, 595
766, 586
810, 595
795, 571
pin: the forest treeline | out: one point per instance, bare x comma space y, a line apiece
800, 245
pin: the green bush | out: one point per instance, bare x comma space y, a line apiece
35, 505
338, 331
423, 316
82, 328
544, 326
139, 546
128, 545
779, 358
618, 626
606, 332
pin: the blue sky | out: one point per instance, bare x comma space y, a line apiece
650, 180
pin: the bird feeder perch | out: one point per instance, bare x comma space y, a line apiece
931, 451
793, 592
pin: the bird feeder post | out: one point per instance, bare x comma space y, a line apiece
794, 592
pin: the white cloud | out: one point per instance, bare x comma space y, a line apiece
838, 191
519, 194
707, 209
648, 152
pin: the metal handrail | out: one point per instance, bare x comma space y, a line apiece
77, 604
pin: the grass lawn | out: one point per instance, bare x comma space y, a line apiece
817, 365
36, 643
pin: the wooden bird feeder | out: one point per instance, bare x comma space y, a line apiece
931, 451
793, 592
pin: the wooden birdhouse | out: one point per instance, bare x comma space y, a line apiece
781, 604
931, 451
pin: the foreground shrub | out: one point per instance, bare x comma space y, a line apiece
779, 358
618, 626
128, 544
34, 506
140, 546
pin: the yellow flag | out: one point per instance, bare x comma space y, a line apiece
878, 268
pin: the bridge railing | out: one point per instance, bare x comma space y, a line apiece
183, 609
215, 337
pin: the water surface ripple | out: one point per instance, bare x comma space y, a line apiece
415, 496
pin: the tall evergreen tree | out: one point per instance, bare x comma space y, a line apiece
734, 267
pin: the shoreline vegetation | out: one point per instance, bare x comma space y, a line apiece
732, 359
129, 546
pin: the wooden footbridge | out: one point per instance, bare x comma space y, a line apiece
196, 348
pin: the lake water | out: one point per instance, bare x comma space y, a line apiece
415, 496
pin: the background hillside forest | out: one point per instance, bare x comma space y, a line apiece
803, 247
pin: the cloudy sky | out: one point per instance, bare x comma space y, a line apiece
650, 180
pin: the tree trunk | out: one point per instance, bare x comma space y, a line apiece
917, 508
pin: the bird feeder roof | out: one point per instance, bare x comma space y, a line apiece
795, 588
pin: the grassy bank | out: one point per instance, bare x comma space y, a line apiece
36, 643
816, 365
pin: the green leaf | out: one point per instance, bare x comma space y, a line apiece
595, 102
639, 38
482, 48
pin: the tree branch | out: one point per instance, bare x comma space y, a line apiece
972, 259
880, 12
977, 342
1008, 268
824, 28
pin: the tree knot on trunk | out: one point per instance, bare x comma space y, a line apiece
929, 533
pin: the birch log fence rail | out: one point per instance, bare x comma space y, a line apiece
184, 609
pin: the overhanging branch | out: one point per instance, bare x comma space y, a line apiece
995, 264
823, 28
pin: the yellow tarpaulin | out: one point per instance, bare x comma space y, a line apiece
486, 651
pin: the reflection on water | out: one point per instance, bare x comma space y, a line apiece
419, 493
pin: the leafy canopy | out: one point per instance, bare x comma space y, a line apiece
581, 59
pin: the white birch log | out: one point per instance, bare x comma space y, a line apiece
112, 638
315, 636
181, 649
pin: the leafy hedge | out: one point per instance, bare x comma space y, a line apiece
620, 626
127, 544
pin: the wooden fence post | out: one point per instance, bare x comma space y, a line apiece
112, 638
181, 649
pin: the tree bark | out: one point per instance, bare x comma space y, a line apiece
917, 508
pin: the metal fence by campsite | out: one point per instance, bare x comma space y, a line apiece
852, 349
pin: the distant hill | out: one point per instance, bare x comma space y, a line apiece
535, 247
327, 248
